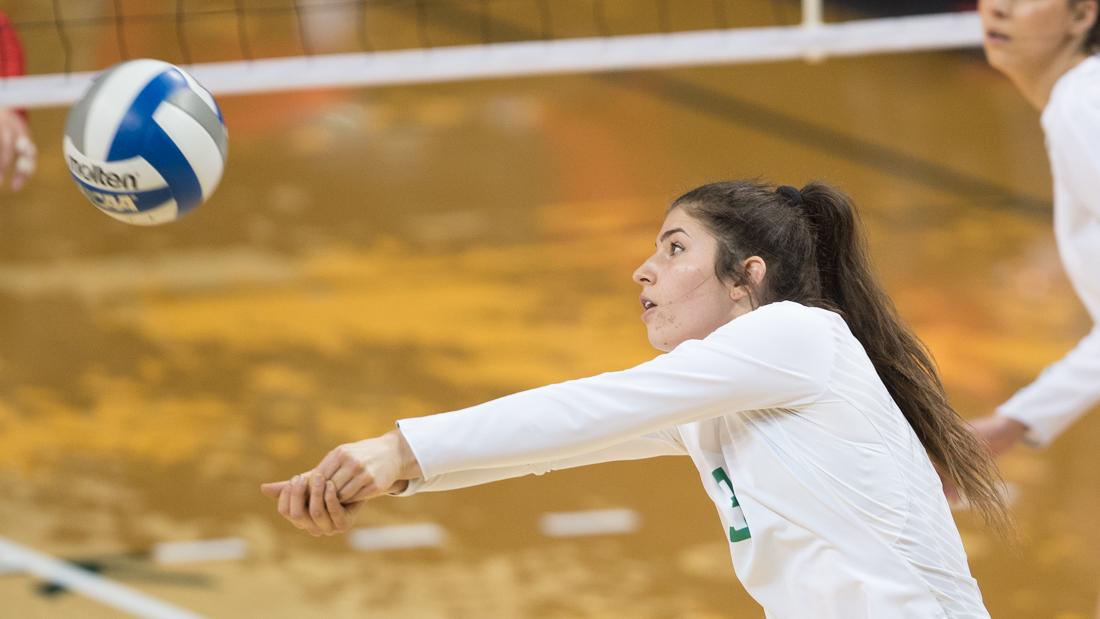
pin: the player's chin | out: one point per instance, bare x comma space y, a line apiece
993, 57
653, 338
998, 58
659, 340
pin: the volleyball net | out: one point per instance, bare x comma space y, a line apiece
241, 46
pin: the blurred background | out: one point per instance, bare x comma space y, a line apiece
376, 253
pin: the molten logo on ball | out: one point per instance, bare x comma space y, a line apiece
98, 176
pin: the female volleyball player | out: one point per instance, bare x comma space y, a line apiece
1048, 49
809, 408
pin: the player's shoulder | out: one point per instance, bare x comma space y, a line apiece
787, 321
788, 337
791, 312
1081, 78
1076, 96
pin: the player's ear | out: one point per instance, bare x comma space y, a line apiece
754, 269
1084, 16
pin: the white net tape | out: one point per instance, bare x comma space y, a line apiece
530, 58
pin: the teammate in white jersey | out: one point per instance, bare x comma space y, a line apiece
808, 407
1048, 49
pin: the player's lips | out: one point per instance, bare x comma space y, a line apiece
994, 36
647, 305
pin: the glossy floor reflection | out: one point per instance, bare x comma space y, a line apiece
385, 253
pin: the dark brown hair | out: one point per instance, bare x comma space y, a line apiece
1091, 44
815, 253
1092, 40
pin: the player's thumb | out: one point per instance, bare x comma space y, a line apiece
273, 489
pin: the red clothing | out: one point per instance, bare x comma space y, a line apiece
12, 61
11, 51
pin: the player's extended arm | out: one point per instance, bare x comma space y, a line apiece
664, 443
778, 356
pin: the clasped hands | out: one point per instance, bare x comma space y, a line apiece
18, 153
325, 499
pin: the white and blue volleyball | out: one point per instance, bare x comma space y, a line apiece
146, 144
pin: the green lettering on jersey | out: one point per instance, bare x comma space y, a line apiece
736, 535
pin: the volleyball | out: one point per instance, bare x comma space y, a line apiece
146, 143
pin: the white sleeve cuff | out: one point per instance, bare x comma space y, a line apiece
412, 488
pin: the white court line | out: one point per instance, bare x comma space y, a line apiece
89, 584
227, 549
585, 523
427, 535
8, 567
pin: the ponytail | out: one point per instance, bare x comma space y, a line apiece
902, 361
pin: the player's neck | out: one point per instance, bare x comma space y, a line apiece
1036, 84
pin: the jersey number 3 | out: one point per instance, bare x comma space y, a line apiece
739, 529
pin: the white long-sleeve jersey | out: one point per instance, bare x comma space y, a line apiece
829, 502
1071, 121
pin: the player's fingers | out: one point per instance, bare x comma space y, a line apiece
318, 511
273, 489
297, 498
348, 470
330, 463
299, 513
25, 161
363, 494
7, 149
284, 502
341, 520
24, 169
362, 485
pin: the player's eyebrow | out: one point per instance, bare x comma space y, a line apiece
668, 233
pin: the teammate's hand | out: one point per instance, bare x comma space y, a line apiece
17, 150
1000, 433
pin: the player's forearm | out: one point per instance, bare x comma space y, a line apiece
649, 446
